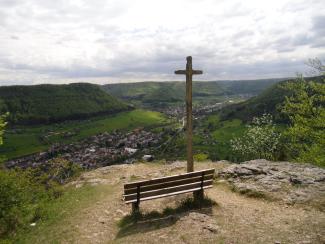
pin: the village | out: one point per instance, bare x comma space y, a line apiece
114, 147
97, 151
178, 113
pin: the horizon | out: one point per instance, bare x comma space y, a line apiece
155, 81
46, 42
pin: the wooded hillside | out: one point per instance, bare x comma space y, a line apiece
269, 101
52, 103
170, 92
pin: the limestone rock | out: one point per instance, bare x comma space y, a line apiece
290, 182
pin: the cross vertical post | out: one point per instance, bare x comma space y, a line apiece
189, 72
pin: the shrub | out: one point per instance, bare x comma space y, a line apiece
200, 157
2, 126
20, 199
260, 140
55, 171
24, 194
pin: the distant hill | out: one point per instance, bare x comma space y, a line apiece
170, 92
52, 103
269, 101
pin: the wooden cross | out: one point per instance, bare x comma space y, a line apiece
189, 72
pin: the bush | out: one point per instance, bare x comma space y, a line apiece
55, 171
20, 200
260, 140
2, 126
200, 157
24, 194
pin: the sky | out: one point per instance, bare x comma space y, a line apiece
110, 41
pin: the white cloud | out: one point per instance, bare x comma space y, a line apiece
132, 40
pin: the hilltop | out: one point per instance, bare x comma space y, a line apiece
269, 101
255, 202
44, 104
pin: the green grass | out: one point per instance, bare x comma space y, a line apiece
27, 140
60, 214
211, 137
228, 130
217, 146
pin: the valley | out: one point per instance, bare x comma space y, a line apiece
48, 104
24, 140
73, 165
214, 126
158, 122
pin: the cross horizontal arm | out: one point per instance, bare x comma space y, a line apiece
180, 72
197, 72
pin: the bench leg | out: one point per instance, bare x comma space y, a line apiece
135, 207
198, 196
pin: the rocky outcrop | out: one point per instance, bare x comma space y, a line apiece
290, 182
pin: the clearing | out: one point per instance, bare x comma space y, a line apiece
92, 211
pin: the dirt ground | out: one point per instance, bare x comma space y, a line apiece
235, 218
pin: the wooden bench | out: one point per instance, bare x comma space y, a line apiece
196, 182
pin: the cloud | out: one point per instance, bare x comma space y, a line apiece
123, 40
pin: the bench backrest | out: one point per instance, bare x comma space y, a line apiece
167, 186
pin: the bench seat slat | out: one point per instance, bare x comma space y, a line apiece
167, 190
168, 178
168, 184
169, 194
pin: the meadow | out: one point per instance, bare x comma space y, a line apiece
211, 139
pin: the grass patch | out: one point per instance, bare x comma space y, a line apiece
25, 140
60, 215
251, 193
228, 130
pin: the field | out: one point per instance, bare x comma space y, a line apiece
211, 139
218, 135
25, 140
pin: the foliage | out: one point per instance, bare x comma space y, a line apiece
160, 94
260, 140
20, 200
52, 103
3, 123
55, 171
2, 126
316, 66
210, 139
56, 215
199, 157
269, 101
306, 111
24, 194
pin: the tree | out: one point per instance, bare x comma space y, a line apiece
2, 127
305, 109
316, 66
260, 140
